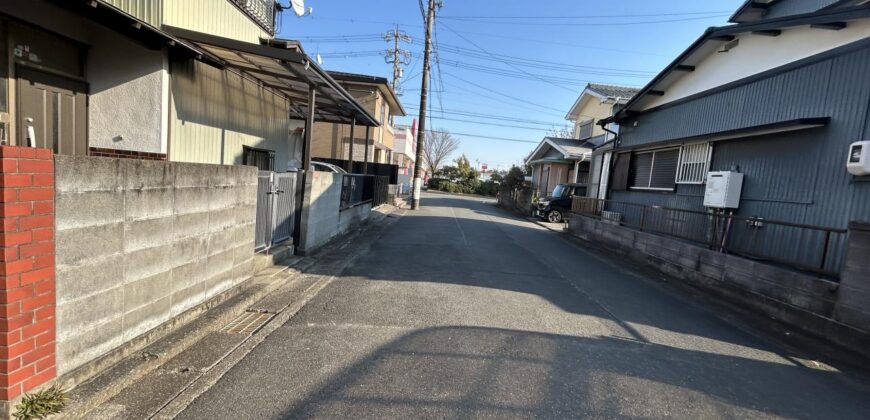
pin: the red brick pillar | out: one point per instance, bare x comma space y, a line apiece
27, 281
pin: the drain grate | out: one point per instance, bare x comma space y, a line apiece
248, 323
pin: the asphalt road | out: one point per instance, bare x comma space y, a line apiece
463, 311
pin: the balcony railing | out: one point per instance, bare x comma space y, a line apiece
260, 11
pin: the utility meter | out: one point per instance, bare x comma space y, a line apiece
859, 158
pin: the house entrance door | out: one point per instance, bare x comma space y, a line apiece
52, 112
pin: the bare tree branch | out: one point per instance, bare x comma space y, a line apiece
565, 132
439, 145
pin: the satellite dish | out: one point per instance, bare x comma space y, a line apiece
298, 7
319, 59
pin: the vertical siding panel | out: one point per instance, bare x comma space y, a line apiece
217, 111
225, 19
798, 176
149, 11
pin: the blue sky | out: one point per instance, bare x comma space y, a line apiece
521, 61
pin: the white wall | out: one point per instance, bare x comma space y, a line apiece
758, 53
129, 96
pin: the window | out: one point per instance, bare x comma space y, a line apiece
654, 170
585, 130
694, 163
262, 159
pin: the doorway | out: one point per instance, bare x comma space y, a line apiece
52, 112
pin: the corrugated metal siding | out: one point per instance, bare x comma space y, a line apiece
790, 95
217, 112
222, 19
796, 177
150, 11
795, 7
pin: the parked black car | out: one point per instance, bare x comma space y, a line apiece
555, 207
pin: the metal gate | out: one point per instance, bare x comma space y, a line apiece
276, 205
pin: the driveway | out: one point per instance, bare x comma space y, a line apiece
461, 310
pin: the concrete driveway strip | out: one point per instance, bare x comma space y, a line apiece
460, 310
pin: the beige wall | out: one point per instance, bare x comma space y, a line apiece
150, 11
593, 108
216, 17
214, 113
332, 140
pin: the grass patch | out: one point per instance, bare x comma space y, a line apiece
41, 404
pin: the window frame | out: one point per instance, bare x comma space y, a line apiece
588, 123
693, 151
652, 169
270, 156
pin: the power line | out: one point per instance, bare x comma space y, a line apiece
550, 65
587, 16
525, 101
491, 124
502, 61
498, 117
486, 137
628, 23
328, 39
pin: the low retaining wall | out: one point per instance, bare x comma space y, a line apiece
139, 242
802, 300
324, 219
518, 201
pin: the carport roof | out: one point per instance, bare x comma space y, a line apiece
284, 70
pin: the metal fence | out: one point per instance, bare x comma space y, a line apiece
377, 169
380, 190
813, 248
276, 208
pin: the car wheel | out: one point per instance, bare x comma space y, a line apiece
554, 216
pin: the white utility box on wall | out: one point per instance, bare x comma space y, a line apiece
723, 190
859, 158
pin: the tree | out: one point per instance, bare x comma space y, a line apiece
514, 178
438, 146
564, 132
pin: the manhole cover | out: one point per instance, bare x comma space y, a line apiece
248, 323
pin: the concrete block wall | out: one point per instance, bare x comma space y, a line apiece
324, 219
836, 312
139, 242
27, 275
853, 305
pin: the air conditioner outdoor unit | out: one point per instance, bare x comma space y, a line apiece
611, 216
859, 158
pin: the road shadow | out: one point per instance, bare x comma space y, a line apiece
467, 372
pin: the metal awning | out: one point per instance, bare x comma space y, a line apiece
284, 70
754, 131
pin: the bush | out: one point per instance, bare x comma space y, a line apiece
435, 183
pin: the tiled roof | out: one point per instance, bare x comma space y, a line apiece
574, 147
613, 91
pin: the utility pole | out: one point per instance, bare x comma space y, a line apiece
424, 91
397, 56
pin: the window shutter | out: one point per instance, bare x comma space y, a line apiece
664, 172
641, 166
619, 178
